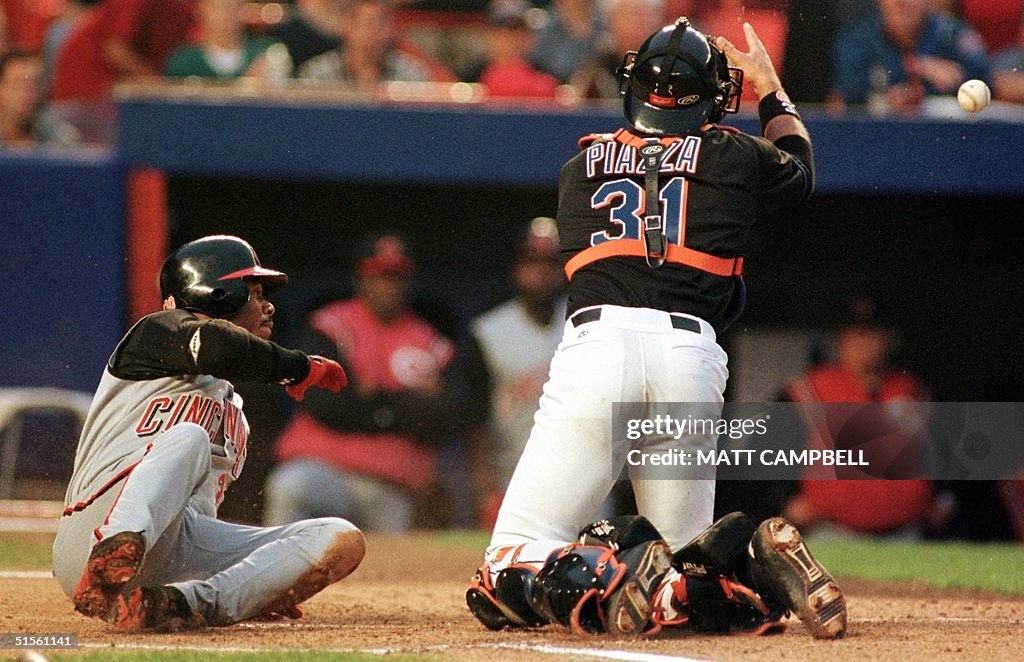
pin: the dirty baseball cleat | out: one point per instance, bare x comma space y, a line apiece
629, 607
783, 569
113, 563
159, 608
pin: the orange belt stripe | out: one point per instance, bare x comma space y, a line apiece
719, 266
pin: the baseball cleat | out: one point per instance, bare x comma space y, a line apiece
784, 570
112, 563
628, 611
159, 608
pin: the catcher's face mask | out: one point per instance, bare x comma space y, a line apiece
677, 82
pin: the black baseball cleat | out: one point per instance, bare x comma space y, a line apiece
113, 562
628, 611
783, 570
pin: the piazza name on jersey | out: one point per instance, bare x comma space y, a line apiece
608, 157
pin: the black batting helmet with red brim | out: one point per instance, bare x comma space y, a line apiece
209, 275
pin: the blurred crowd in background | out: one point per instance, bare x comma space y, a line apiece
61, 59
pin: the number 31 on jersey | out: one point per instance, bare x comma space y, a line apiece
624, 200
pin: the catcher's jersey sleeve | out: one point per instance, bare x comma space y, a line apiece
176, 342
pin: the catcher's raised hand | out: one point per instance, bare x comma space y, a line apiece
756, 64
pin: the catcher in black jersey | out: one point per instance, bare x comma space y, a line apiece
653, 220
139, 544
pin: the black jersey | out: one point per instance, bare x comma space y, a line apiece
713, 187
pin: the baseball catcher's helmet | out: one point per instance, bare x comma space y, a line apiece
208, 275
677, 82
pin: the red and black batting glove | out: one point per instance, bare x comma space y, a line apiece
323, 373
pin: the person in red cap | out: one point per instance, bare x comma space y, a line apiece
371, 452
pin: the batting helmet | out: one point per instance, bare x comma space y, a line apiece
677, 82
208, 275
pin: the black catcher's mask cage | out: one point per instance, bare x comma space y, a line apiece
677, 82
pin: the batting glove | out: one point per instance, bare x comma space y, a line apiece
323, 373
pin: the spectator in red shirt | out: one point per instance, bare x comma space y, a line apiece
859, 374
370, 454
25, 22
508, 72
117, 41
995, 20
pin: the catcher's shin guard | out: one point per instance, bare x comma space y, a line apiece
506, 602
712, 603
593, 589
628, 609
720, 549
783, 570
112, 564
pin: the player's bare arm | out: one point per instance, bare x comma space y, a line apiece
759, 71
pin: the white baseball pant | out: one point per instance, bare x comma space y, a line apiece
227, 572
628, 355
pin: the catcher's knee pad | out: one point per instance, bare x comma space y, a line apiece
507, 601
719, 549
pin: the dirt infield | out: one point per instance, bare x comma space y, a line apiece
408, 597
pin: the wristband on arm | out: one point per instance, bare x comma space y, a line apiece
774, 104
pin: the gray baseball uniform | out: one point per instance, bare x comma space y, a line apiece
164, 439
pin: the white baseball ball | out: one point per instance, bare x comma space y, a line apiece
974, 96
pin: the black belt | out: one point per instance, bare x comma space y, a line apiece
678, 321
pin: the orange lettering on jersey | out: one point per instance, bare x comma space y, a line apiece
197, 410
230, 421
149, 423
222, 486
175, 417
163, 413
235, 434
213, 419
